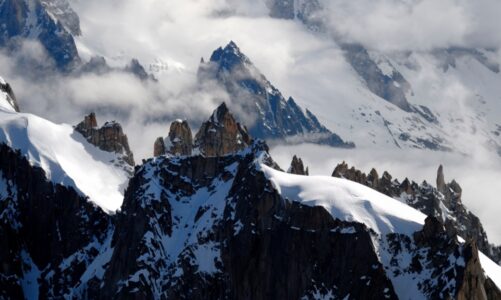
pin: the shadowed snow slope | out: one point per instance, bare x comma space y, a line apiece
350, 201
66, 157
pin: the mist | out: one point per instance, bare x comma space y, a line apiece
170, 37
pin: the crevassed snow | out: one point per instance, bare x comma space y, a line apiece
350, 201
66, 157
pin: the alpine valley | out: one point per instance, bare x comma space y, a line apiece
137, 144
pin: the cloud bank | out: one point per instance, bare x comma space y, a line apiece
169, 37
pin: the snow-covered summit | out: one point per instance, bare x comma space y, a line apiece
66, 157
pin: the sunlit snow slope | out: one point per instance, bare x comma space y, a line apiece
350, 201
66, 157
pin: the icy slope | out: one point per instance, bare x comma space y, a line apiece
66, 157
350, 201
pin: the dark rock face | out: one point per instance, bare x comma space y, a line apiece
10, 97
197, 227
31, 20
63, 12
50, 233
429, 200
109, 137
273, 116
159, 147
221, 134
233, 247
97, 65
180, 138
138, 70
391, 87
297, 167
455, 268
179, 142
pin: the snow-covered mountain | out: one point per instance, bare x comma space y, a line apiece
47, 22
440, 99
65, 156
262, 105
211, 215
227, 224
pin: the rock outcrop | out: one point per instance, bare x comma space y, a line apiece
9, 94
110, 137
429, 200
180, 138
179, 142
221, 134
159, 147
297, 167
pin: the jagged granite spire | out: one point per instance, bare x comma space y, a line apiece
272, 115
443, 202
441, 187
221, 134
297, 167
159, 147
110, 137
180, 138
179, 142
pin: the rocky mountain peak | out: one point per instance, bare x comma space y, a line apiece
42, 21
221, 134
297, 167
110, 137
275, 117
229, 57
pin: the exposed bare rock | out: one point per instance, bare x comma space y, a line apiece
343, 171
159, 147
373, 178
221, 134
430, 201
440, 180
110, 137
474, 283
180, 138
297, 167
9, 97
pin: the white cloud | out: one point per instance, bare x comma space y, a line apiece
309, 67
416, 24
